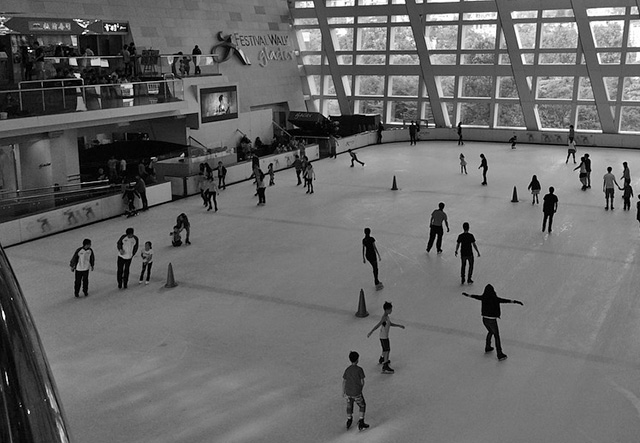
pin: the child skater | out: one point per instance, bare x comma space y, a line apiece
176, 239
385, 324
627, 195
463, 164
309, 177
513, 140
534, 187
370, 253
147, 262
271, 175
490, 315
352, 384
354, 158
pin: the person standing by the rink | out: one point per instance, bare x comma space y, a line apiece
370, 253
466, 243
435, 227
82, 261
534, 187
379, 132
385, 324
609, 180
354, 158
459, 130
352, 385
549, 207
412, 133
127, 247
490, 315
485, 167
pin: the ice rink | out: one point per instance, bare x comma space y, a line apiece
252, 343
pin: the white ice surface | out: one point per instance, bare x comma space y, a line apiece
252, 344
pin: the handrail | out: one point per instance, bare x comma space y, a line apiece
192, 138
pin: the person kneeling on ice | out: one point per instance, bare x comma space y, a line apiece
386, 324
352, 384
513, 140
177, 238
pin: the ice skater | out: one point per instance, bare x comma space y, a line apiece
297, 165
485, 167
210, 193
459, 130
385, 324
352, 385
549, 207
82, 261
534, 187
626, 174
309, 177
222, 176
607, 187
438, 217
354, 158
513, 140
272, 180
379, 132
490, 315
587, 164
147, 262
370, 253
583, 173
412, 133
182, 222
627, 195
262, 188
463, 164
466, 243
571, 152
127, 246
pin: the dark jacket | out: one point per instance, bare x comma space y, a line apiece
490, 304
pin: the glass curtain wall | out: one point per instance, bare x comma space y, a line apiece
491, 64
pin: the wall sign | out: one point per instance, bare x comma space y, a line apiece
265, 48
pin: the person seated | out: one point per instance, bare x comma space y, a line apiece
177, 238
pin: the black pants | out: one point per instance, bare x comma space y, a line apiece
355, 159
211, 195
544, 221
484, 176
221, 182
435, 231
143, 197
82, 277
374, 265
298, 172
464, 260
261, 196
492, 331
412, 138
123, 272
146, 267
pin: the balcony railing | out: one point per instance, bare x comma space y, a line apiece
65, 95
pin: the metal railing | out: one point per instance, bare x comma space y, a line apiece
57, 96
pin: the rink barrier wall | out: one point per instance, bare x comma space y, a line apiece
70, 217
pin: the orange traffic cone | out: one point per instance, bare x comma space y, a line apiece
171, 282
394, 187
362, 306
514, 199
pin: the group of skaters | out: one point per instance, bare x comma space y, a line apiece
209, 186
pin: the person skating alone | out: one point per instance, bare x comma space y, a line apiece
379, 132
370, 253
297, 164
412, 133
211, 193
463, 164
435, 228
490, 315
352, 386
262, 188
513, 140
583, 173
466, 243
587, 164
485, 167
549, 207
82, 261
571, 152
354, 158
182, 222
534, 187
147, 262
271, 173
127, 247
459, 130
222, 176
609, 180
385, 324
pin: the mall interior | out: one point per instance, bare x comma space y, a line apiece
97, 97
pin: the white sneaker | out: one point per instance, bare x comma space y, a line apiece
146, 283
140, 282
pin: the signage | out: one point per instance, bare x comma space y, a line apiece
49, 26
115, 27
270, 47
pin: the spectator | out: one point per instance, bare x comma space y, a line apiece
196, 59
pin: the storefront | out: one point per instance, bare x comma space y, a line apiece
37, 48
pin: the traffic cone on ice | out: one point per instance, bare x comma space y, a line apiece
514, 199
362, 306
171, 282
394, 187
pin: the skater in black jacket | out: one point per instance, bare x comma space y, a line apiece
490, 315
